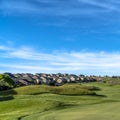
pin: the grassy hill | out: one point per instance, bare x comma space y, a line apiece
73, 102
67, 89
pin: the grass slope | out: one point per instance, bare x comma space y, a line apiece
70, 89
61, 103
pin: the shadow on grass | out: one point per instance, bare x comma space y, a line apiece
6, 98
21, 117
97, 95
64, 105
94, 95
7, 95
8, 92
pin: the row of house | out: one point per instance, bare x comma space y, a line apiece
50, 79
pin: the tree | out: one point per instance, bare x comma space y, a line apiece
6, 81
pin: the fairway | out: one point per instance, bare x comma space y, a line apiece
48, 106
94, 112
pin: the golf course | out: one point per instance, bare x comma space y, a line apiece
59, 59
67, 102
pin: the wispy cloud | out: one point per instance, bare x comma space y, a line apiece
4, 48
58, 7
105, 4
26, 59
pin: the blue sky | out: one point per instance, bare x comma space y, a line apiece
51, 36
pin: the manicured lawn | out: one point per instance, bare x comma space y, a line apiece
36, 103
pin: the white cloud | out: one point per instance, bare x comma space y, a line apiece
103, 4
4, 48
26, 59
58, 7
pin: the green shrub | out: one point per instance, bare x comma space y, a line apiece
6, 81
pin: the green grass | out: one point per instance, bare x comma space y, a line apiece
68, 102
68, 89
